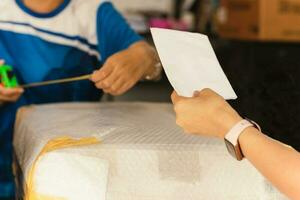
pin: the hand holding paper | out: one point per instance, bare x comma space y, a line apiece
190, 63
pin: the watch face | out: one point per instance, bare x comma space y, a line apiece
235, 151
230, 147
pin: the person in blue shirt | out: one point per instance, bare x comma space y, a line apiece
53, 39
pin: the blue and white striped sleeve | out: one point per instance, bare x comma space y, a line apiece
113, 32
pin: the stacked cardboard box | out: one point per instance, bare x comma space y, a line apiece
266, 20
126, 6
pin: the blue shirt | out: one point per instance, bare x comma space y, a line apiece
74, 39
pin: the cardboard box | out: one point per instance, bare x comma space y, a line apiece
266, 20
126, 6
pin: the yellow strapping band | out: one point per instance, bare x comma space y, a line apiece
55, 144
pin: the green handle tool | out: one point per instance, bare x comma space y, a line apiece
9, 80
7, 77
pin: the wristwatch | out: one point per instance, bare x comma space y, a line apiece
232, 138
156, 75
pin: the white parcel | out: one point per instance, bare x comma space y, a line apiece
141, 155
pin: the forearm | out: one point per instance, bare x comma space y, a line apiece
277, 162
204, 114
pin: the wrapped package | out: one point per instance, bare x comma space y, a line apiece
125, 151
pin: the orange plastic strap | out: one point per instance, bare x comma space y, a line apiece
55, 144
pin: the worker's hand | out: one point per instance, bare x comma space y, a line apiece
124, 69
10, 94
206, 113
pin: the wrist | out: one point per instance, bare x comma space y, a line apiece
250, 131
229, 123
234, 137
247, 136
150, 63
154, 67
154, 74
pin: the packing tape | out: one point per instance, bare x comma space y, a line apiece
173, 165
52, 145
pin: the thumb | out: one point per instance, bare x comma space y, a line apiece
196, 94
102, 73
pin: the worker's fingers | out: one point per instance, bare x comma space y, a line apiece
106, 91
108, 82
4, 98
126, 85
2, 62
15, 97
10, 94
102, 73
101, 86
10, 91
12, 98
116, 88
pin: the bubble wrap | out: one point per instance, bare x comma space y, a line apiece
143, 155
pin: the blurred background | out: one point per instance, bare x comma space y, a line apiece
257, 43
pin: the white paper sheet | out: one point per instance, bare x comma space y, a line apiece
190, 63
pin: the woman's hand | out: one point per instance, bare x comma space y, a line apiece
206, 113
209, 114
124, 69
